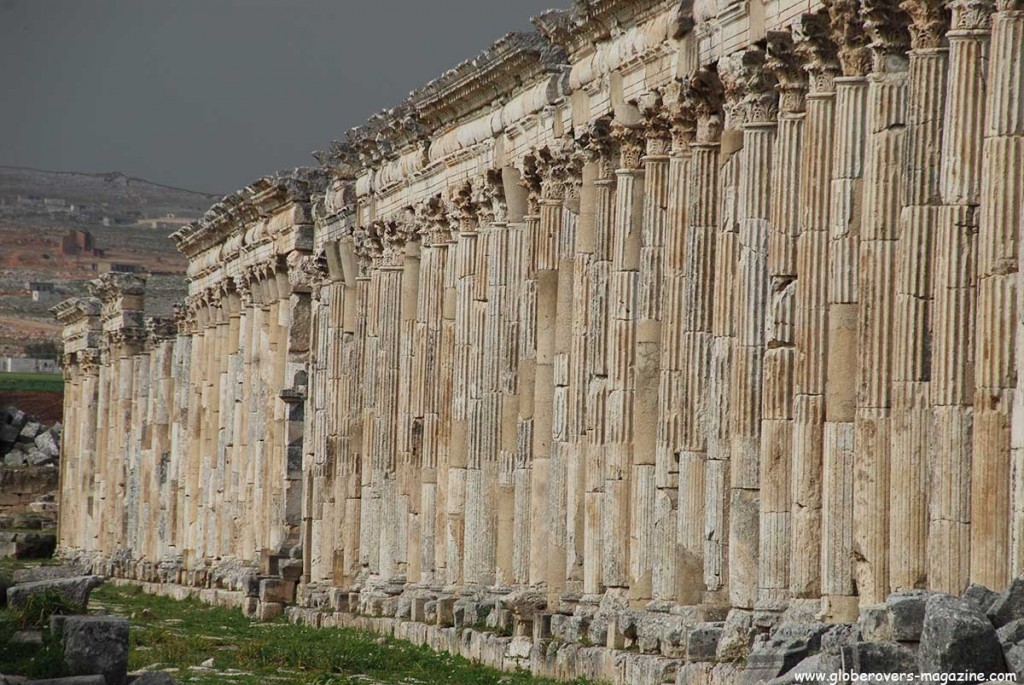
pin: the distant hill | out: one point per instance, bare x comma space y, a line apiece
113, 193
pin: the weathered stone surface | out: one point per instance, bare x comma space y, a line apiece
75, 589
878, 657
702, 642
1008, 605
96, 645
72, 680
906, 614
957, 637
153, 678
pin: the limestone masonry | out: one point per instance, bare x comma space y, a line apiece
661, 311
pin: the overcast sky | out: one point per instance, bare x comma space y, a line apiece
211, 94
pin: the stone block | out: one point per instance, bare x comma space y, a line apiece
980, 596
74, 589
906, 614
290, 569
878, 657
277, 590
874, 623
153, 678
1008, 605
702, 642
72, 680
96, 645
269, 611
957, 637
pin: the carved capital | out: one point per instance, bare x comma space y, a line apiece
750, 93
886, 24
530, 178
784, 63
434, 222
704, 96
631, 143
307, 272
971, 15
847, 25
594, 142
657, 123
929, 21
490, 198
812, 41
465, 207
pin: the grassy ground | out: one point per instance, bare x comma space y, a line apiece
182, 636
40, 382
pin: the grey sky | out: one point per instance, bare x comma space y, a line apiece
211, 94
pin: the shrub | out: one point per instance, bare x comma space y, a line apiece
41, 606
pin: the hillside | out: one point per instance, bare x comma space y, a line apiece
114, 192
129, 220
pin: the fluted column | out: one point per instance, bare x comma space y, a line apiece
653, 511
912, 332
669, 561
951, 561
700, 556
810, 334
597, 143
843, 307
758, 109
776, 449
880, 215
620, 476
996, 459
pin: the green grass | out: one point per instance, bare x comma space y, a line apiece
168, 634
36, 382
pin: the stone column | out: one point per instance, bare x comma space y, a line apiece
700, 560
748, 79
526, 565
843, 309
912, 332
548, 524
597, 143
880, 217
777, 394
996, 531
623, 501
953, 377
653, 503
669, 562
810, 334
430, 322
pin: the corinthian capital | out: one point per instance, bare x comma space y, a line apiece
631, 144
435, 224
812, 40
886, 23
929, 21
594, 142
971, 15
656, 123
847, 25
703, 95
784, 63
750, 94
490, 198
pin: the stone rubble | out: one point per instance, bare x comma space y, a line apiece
615, 348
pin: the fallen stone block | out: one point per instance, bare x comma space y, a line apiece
97, 645
906, 614
76, 590
1008, 605
702, 642
878, 657
957, 637
153, 678
825, 664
